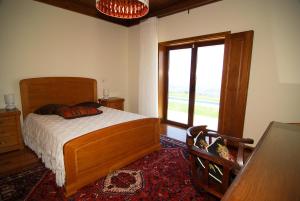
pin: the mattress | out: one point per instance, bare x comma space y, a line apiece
47, 134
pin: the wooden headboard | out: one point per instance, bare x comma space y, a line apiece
36, 92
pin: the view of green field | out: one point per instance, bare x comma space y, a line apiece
199, 97
200, 109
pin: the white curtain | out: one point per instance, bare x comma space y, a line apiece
148, 68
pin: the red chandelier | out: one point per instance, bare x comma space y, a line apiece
125, 9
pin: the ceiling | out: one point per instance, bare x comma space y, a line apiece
159, 8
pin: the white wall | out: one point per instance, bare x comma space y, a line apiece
37, 40
133, 67
274, 90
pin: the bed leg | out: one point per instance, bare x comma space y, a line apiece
69, 191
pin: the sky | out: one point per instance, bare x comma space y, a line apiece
209, 69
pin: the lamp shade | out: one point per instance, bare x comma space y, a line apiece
125, 9
9, 100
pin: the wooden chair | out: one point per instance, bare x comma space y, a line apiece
201, 176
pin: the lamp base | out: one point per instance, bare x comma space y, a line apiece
10, 107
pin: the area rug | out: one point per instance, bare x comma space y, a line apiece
162, 175
16, 186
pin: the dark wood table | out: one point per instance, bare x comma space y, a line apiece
273, 170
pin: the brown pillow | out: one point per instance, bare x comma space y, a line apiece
48, 109
77, 111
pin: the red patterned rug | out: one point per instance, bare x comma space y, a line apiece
162, 175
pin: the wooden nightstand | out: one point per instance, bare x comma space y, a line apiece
10, 130
113, 102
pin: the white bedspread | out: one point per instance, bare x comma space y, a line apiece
47, 134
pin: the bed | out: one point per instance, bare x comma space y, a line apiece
97, 153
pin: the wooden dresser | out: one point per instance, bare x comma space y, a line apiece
113, 102
10, 130
273, 170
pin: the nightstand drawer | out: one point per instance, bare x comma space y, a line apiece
9, 141
7, 121
8, 130
113, 102
116, 105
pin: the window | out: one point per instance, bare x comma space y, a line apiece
204, 80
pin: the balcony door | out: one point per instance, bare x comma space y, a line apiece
194, 84
179, 85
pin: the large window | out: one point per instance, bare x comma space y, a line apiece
204, 81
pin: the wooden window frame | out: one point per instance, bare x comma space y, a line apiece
244, 39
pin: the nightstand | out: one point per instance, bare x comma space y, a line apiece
10, 130
113, 102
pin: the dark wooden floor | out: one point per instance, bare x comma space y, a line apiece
15, 161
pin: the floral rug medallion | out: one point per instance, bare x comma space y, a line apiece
123, 181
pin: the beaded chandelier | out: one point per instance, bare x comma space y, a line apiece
125, 9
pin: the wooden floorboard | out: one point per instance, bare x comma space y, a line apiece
173, 132
15, 161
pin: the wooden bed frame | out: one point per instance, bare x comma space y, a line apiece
100, 152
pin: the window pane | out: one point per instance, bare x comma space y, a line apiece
208, 85
179, 85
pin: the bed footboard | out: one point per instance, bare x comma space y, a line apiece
98, 153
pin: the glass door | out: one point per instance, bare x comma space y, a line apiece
208, 85
194, 84
179, 85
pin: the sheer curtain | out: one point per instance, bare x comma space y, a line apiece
148, 68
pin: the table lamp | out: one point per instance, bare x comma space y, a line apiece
9, 101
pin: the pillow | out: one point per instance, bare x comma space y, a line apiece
77, 111
214, 171
217, 148
48, 109
200, 141
89, 104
